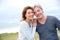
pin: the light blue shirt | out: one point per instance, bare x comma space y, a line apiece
26, 32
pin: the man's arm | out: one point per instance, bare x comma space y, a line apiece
57, 22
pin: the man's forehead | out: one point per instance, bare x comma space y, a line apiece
36, 8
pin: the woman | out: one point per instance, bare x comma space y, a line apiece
27, 25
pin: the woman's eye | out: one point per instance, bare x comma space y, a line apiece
28, 12
32, 12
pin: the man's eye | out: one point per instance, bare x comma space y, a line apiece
38, 10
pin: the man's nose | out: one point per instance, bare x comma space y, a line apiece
37, 13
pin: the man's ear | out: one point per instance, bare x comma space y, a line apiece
42, 11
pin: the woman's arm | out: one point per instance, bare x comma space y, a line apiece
28, 33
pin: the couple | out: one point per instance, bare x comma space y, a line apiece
44, 25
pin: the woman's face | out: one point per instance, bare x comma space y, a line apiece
29, 14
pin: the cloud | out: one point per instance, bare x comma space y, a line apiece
9, 10
49, 5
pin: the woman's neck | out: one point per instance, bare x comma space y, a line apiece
28, 21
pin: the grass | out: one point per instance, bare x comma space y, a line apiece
14, 36
9, 36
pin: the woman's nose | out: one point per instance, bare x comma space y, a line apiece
31, 14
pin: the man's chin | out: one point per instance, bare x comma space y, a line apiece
40, 17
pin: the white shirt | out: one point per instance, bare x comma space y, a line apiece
26, 32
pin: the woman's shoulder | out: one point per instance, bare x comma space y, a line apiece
23, 22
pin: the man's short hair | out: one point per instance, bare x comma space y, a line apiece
38, 6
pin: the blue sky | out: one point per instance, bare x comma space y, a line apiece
11, 10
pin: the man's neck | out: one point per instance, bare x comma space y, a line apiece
42, 20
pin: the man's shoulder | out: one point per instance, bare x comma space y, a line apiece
52, 17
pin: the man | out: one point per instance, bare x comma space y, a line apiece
46, 25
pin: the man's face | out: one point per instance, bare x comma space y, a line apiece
38, 12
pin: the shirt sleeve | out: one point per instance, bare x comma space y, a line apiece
57, 22
26, 32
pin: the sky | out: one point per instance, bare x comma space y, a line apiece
11, 10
